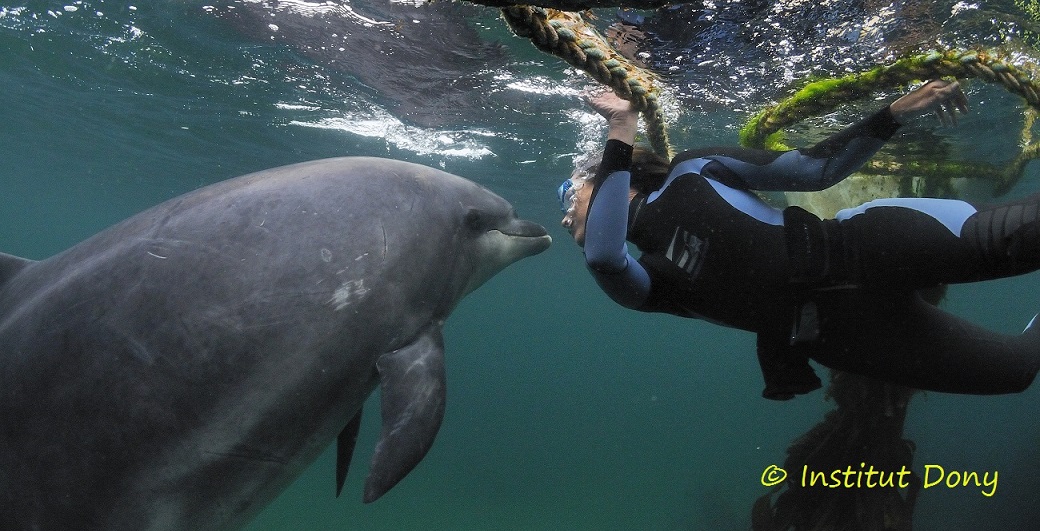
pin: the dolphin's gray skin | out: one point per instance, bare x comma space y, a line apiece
179, 369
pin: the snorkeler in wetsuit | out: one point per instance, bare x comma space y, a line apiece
841, 291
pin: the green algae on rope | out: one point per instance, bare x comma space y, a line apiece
823, 96
764, 130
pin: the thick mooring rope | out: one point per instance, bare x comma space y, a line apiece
821, 97
569, 37
824, 96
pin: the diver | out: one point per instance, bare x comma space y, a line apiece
844, 291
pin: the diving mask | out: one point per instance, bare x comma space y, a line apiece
566, 193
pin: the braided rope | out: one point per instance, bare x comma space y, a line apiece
1031, 150
824, 96
764, 130
569, 37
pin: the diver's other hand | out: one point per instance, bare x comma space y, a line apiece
622, 119
944, 98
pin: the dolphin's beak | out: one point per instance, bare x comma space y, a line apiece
528, 235
522, 227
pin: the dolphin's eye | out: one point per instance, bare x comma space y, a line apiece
476, 219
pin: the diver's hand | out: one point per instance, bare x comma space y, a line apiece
622, 120
944, 98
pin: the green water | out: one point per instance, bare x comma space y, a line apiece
564, 410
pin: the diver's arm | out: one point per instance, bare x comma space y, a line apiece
835, 158
806, 169
606, 225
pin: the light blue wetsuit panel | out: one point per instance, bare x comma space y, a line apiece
616, 271
952, 213
605, 230
689, 166
748, 203
741, 200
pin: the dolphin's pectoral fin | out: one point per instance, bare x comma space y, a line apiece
345, 450
411, 381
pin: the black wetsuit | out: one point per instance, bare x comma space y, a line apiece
840, 291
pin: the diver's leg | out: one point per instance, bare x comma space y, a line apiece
884, 244
1005, 238
902, 339
906, 243
913, 243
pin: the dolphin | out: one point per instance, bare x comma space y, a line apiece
179, 369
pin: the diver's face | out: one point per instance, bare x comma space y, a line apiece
574, 219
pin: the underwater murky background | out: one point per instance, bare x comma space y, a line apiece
565, 411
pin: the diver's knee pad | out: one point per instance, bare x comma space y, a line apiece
1005, 238
815, 248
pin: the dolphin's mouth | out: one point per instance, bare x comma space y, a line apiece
533, 235
523, 228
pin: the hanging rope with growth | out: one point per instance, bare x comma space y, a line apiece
569, 37
764, 130
826, 95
